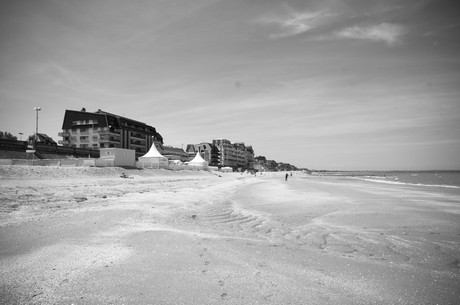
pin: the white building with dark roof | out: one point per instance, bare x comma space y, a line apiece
102, 129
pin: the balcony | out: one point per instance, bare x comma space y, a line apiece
137, 144
108, 139
63, 134
113, 132
64, 142
137, 136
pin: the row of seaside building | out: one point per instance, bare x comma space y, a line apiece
101, 129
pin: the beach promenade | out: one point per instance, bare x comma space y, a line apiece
87, 236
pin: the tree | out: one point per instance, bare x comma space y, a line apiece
261, 158
7, 136
271, 165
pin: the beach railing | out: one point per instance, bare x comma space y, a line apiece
74, 162
89, 162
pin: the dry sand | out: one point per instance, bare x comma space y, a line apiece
87, 236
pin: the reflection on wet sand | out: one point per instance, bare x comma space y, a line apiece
381, 230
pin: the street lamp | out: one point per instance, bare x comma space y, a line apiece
37, 109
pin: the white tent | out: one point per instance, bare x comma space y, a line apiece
153, 159
198, 161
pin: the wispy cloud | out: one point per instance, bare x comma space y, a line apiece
386, 32
294, 23
58, 75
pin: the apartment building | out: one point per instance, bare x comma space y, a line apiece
102, 129
235, 155
227, 152
249, 157
172, 153
208, 151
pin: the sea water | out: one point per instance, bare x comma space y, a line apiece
448, 179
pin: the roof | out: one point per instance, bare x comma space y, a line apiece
119, 117
74, 115
43, 138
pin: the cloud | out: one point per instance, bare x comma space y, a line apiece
57, 75
294, 23
386, 32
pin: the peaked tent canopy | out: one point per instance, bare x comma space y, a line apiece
153, 159
153, 152
198, 161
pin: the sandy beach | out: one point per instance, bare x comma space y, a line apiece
87, 236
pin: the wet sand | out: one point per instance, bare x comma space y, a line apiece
86, 236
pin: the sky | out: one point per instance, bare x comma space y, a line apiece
329, 84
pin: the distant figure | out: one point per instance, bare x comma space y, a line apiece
287, 175
123, 175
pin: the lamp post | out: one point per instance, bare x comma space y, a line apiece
37, 109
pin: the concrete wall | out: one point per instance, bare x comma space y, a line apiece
117, 157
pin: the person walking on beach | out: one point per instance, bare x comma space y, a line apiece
285, 178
